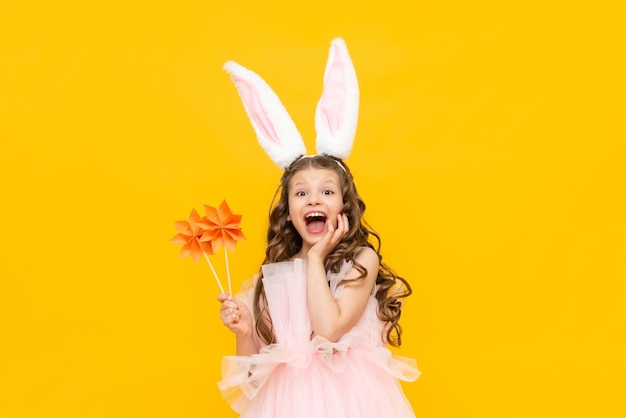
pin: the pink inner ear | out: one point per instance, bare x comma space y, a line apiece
257, 112
333, 101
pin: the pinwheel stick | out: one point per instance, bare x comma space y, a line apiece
215, 274
230, 290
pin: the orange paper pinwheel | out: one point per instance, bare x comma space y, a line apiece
221, 227
206, 235
188, 237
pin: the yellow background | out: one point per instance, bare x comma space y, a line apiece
490, 152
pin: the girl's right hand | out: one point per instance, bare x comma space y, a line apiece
235, 315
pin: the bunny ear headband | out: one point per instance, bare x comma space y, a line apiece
336, 115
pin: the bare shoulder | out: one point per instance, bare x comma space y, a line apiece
368, 258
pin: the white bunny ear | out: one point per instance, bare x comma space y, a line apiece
337, 112
272, 124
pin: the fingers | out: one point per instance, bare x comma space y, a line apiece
229, 313
332, 236
343, 223
343, 227
335, 234
230, 318
223, 296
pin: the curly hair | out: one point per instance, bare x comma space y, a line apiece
283, 242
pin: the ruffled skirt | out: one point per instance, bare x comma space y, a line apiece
352, 378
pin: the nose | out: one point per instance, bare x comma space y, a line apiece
313, 200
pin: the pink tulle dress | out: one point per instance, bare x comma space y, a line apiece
300, 377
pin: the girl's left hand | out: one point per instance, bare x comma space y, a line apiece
331, 238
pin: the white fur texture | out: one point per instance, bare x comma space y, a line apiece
336, 114
275, 130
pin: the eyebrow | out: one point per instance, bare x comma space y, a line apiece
323, 183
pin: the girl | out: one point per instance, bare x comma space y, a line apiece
311, 331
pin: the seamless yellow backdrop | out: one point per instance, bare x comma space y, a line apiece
490, 153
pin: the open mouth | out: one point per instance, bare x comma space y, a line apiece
315, 222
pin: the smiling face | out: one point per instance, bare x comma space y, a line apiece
315, 199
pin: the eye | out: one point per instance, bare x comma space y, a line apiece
300, 193
328, 192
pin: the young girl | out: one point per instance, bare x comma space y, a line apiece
311, 331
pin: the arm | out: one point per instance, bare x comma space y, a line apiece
236, 317
330, 318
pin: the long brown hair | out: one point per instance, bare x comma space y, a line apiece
283, 242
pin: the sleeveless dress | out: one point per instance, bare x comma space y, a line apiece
300, 377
